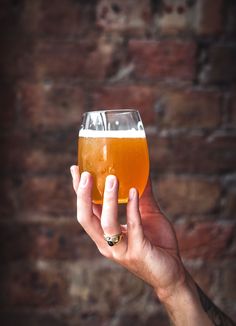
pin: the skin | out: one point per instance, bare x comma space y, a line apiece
148, 248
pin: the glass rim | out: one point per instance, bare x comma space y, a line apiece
112, 111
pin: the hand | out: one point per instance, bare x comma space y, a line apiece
149, 247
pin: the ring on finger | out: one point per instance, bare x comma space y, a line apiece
113, 239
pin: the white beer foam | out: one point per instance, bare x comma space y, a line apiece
112, 133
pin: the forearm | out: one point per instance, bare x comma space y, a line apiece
217, 317
187, 305
184, 305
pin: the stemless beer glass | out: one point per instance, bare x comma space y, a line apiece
114, 142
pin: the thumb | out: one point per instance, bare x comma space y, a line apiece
148, 204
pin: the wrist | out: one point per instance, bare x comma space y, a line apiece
182, 302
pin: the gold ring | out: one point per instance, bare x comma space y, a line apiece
113, 239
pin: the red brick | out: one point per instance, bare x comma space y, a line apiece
43, 161
163, 59
123, 16
47, 195
33, 286
16, 60
52, 241
62, 19
180, 154
8, 205
23, 318
67, 60
209, 17
49, 106
10, 19
221, 65
232, 111
230, 204
230, 23
189, 109
187, 195
141, 98
8, 106
206, 239
39, 152
229, 282
107, 285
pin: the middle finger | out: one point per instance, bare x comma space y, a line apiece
109, 219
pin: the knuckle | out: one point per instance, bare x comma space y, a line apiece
107, 228
133, 224
106, 253
133, 257
109, 196
81, 195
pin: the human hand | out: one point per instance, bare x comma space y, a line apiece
148, 248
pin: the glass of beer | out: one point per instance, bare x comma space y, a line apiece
114, 142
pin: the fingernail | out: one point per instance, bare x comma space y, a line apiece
83, 180
110, 182
132, 193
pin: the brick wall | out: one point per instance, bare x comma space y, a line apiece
175, 62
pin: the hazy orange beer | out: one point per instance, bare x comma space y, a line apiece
114, 143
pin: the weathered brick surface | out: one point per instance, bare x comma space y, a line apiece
59, 20
188, 109
166, 59
8, 198
78, 60
123, 16
220, 68
60, 241
230, 24
141, 98
232, 111
174, 17
209, 18
174, 61
46, 106
186, 195
207, 239
36, 192
230, 204
202, 17
32, 286
8, 106
37, 151
193, 153
228, 283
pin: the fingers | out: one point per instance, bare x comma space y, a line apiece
75, 181
134, 222
109, 218
75, 176
85, 216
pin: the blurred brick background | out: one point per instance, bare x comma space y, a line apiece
173, 60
